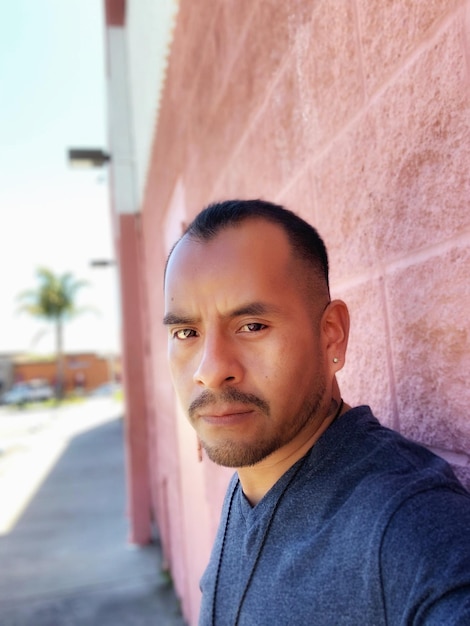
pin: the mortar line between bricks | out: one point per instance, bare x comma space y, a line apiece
370, 102
408, 260
252, 122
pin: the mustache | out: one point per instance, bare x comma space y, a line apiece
208, 398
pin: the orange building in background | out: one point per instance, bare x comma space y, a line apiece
84, 371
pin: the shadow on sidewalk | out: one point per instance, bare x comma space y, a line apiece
67, 561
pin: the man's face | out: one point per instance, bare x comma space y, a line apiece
244, 341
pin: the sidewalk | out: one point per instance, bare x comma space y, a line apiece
66, 560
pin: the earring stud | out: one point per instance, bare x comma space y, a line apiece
335, 359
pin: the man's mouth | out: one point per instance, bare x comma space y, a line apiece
226, 416
229, 402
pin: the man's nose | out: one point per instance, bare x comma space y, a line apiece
218, 363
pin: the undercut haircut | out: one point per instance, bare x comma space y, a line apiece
303, 238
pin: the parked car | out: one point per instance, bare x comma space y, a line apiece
106, 389
37, 390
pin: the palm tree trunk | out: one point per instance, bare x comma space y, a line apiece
60, 371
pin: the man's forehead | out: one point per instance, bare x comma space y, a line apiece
250, 235
240, 254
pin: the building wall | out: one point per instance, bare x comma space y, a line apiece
96, 370
355, 114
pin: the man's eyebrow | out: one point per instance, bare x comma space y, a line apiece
254, 308
171, 319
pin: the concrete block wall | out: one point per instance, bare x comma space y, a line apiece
356, 115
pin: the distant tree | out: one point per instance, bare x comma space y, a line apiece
54, 300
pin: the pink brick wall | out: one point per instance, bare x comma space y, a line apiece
356, 114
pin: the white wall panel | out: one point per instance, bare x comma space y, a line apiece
149, 26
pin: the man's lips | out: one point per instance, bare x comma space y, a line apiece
230, 415
229, 402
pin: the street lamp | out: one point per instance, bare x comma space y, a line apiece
87, 157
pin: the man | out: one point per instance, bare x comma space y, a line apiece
330, 518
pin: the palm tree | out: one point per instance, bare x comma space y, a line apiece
54, 300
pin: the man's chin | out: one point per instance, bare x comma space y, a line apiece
236, 456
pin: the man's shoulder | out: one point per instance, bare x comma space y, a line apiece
381, 453
363, 465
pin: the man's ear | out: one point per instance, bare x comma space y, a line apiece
335, 333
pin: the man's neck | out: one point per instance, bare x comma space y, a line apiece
257, 480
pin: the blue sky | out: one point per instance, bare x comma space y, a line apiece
52, 78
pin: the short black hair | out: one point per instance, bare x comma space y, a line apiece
303, 238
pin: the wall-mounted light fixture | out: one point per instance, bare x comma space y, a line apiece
102, 262
88, 157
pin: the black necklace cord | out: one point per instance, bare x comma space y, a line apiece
263, 541
338, 412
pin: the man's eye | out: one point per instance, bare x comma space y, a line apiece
184, 333
252, 327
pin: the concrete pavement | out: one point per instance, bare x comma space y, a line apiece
64, 556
